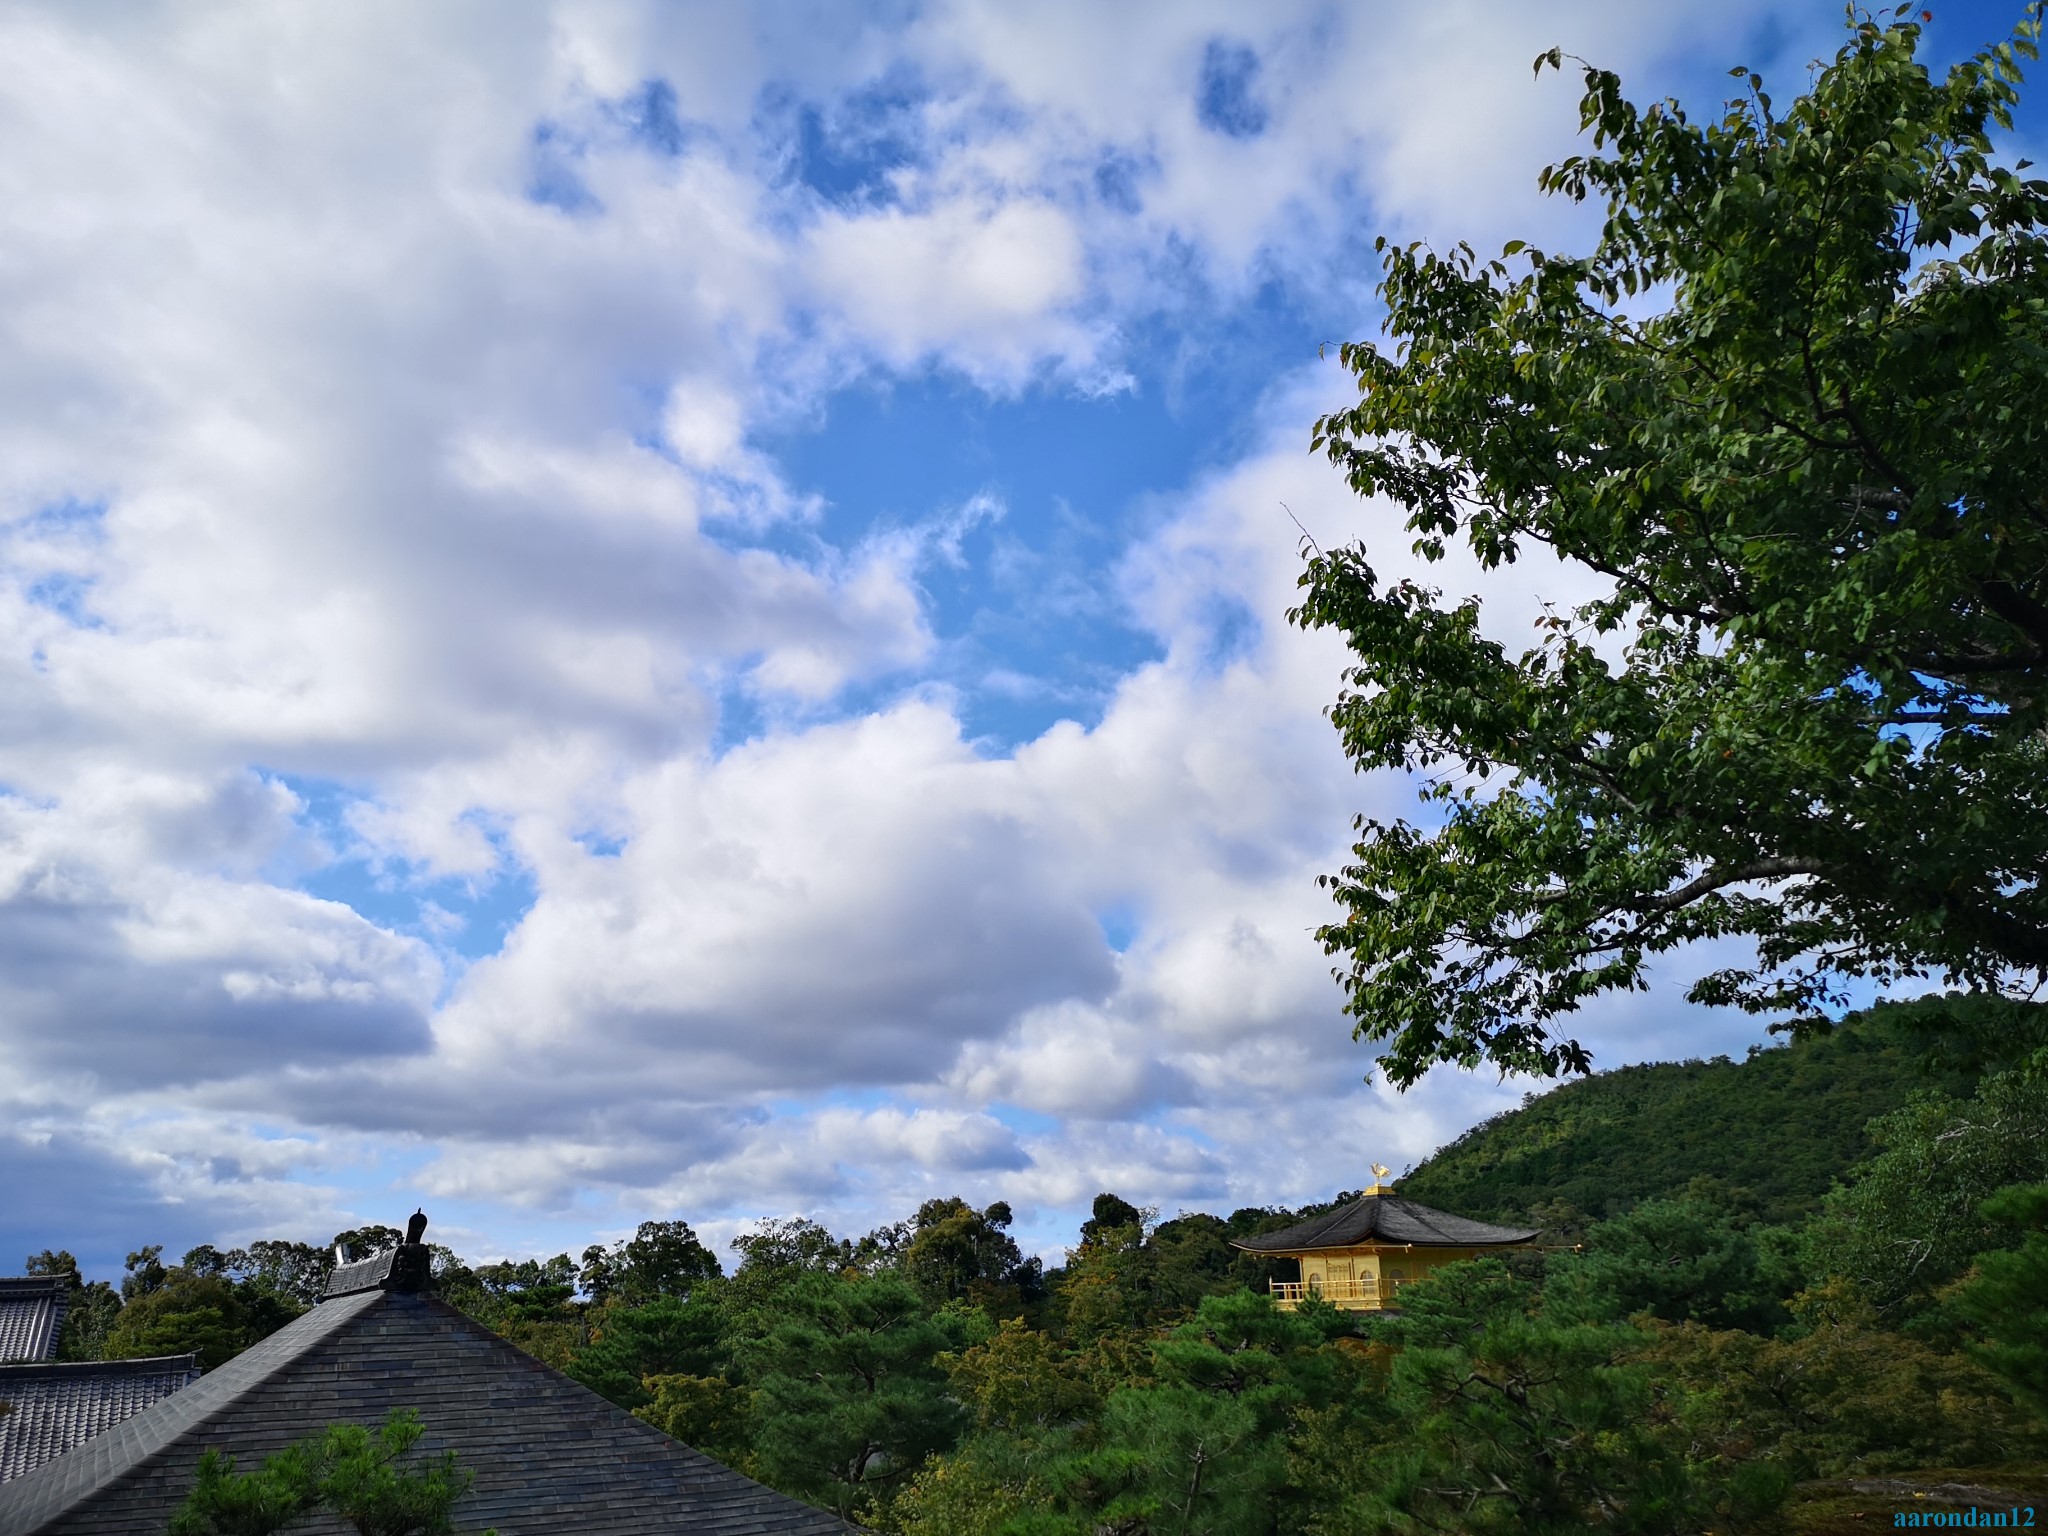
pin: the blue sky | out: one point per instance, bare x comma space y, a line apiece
617, 611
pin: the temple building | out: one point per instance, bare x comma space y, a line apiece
548, 1454
1358, 1256
48, 1406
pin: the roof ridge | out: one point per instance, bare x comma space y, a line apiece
406, 1267
45, 1325
29, 1501
136, 1364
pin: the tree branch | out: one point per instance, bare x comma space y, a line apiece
1705, 884
2019, 610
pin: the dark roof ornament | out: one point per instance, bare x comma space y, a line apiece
408, 1267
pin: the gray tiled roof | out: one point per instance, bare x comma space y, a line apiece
549, 1455
51, 1408
31, 1316
1386, 1219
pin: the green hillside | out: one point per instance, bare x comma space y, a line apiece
1784, 1124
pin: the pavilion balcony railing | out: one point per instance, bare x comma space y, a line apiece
1366, 1294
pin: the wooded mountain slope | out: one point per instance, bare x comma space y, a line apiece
1783, 1124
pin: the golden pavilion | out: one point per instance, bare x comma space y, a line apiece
1358, 1256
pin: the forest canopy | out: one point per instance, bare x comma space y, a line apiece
1703, 1342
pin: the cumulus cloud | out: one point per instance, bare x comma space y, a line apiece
977, 283
390, 516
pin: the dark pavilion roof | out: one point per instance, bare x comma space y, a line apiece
1385, 1219
48, 1407
549, 1455
52, 1407
32, 1315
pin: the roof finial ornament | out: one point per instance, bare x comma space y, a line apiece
1380, 1184
416, 1228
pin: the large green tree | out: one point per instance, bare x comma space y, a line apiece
1688, 1258
203, 1314
1202, 1447
661, 1258
1790, 419
1512, 1421
849, 1397
956, 1253
667, 1337
1910, 1220
2008, 1297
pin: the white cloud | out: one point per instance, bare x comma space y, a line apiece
978, 286
1069, 1058
381, 414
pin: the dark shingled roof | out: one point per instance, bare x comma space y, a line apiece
32, 1315
51, 1408
549, 1455
1385, 1219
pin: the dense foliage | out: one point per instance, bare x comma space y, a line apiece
375, 1481
1782, 1124
1790, 420
1697, 1349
